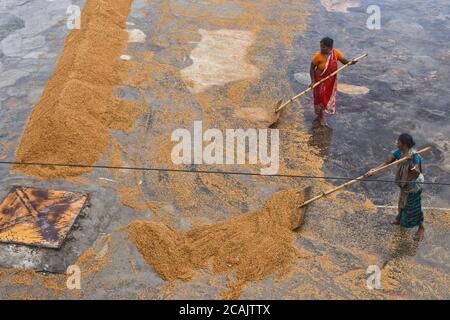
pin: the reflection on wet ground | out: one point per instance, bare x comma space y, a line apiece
342, 235
321, 138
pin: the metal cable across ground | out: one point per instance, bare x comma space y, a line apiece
207, 172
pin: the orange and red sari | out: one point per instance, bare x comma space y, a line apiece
325, 94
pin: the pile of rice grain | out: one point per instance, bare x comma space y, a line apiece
253, 246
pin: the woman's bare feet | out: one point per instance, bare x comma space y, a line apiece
322, 122
420, 233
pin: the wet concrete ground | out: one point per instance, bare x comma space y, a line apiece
342, 241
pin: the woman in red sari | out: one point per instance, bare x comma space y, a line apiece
325, 62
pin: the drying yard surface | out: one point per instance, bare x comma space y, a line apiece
112, 93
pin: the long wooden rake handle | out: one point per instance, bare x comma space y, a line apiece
349, 183
318, 83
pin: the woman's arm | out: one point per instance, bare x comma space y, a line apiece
372, 171
414, 167
343, 59
414, 171
312, 72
